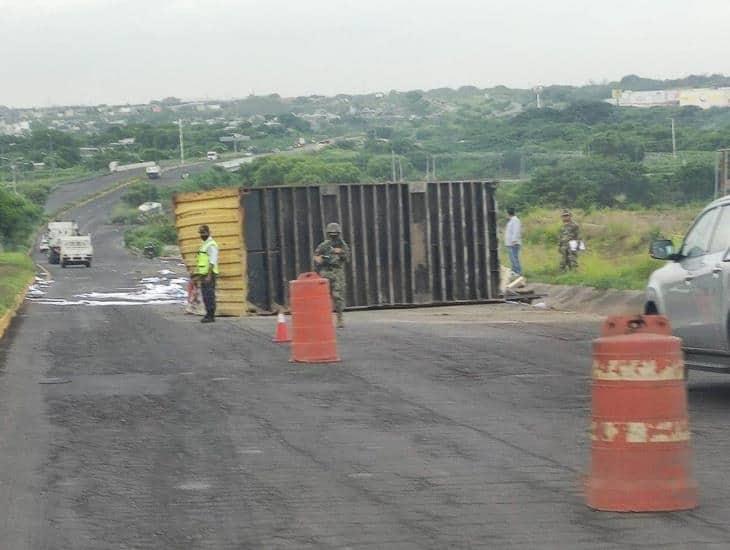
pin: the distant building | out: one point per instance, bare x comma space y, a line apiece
15, 129
650, 98
704, 98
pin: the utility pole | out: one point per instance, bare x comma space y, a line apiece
392, 158
722, 174
400, 170
674, 141
182, 147
433, 167
718, 156
537, 90
428, 174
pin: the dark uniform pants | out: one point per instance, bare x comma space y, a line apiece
207, 289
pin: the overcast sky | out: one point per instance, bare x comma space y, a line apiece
55, 52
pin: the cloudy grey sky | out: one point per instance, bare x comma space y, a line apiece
117, 51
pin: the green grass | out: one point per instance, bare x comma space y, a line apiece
158, 232
123, 214
16, 269
617, 241
667, 163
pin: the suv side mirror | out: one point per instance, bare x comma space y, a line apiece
662, 249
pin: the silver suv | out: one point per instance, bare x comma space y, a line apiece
693, 289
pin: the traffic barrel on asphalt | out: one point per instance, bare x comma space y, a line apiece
313, 330
641, 455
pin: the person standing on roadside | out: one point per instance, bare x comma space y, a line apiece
568, 242
206, 272
330, 258
513, 240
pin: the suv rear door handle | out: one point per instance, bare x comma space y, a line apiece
717, 270
688, 279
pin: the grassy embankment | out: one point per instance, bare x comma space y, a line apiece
617, 245
156, 229
16, 269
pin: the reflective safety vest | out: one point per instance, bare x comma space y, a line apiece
203, 262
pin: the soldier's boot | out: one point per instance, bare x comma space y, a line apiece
340, 320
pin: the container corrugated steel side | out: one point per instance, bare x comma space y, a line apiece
412, 244
221, 210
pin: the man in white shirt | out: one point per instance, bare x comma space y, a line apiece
513, 240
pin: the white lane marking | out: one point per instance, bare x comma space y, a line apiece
194, 486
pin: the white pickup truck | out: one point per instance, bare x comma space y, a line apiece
76, 250
56, 231
153, 172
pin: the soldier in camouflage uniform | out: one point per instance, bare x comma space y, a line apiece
330, 258
569, 232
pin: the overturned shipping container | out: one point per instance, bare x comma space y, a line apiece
221, 210
412, 243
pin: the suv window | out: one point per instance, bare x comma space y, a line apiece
721, 239
697, 241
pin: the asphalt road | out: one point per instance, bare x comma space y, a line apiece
71, 193
461, 427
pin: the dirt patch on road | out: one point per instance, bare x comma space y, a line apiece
473, 315
591, 300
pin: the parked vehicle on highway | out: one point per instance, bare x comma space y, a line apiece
150, 207
57, 230
212, 155
43, 244
693, 289
76, 250
153, 172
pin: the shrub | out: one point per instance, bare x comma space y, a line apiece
123, 214
141, 192
18, 218
158, 233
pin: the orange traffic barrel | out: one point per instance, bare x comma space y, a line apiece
313, 331
640, 456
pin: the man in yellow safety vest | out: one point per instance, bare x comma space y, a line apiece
206, 271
